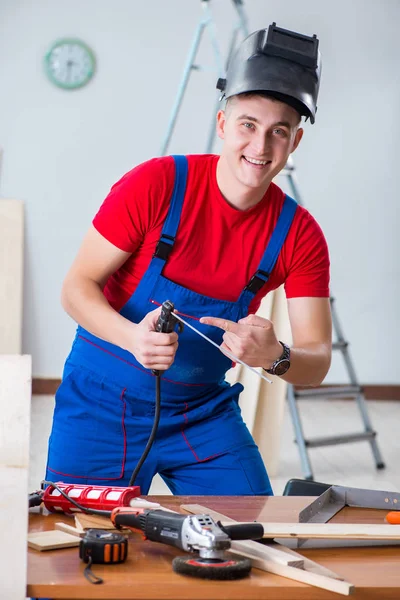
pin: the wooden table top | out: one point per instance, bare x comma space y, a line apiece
147, 573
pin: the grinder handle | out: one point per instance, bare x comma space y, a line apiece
243, 531
132, 518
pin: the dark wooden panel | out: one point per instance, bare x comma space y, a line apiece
48, 387
44, 387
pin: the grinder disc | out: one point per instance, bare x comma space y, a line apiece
206, 568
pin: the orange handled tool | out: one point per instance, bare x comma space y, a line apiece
393, 517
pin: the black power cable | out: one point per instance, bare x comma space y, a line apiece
165, 324
152, 434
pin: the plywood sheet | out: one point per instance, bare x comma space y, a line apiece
271, 403
52, 540
11, 275
15, 402
262, 403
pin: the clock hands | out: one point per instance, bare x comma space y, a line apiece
70, 64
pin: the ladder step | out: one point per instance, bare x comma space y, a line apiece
343, 391
341, 439
340, 345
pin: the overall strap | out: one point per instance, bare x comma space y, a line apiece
171, 224
273, 249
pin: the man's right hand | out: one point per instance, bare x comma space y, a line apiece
152, 349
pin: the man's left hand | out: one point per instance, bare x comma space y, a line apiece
251, 339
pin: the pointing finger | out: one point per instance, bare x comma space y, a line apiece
224, 324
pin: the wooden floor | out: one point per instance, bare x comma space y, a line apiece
344, 464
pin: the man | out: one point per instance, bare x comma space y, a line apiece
213, 235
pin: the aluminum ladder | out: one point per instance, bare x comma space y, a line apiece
206, 23
352, 390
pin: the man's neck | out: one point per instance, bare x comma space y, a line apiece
236, 194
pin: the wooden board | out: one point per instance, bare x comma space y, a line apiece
338, 586
271, 404
261, 558
83, 521
69, 529
332, 531
11, 275
262, 403
52, 540
15, 403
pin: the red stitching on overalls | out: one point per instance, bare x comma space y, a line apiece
138, 368
200, 460
122, 398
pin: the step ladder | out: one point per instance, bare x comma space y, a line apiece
352, 390
206, 23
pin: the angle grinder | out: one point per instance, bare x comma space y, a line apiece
196, 534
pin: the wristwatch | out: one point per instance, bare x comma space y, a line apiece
282, 364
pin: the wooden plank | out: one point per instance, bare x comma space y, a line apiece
263, 561
334, 531
309, 565
52, 540
84, 521
15, 402
262, 403
339, 586
69, 529
271, 403
11, 275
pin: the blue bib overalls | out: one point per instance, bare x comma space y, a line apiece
105, 405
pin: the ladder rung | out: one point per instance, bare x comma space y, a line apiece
340, 439
339, 345
343, 391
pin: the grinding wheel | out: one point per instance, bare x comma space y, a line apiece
206, 568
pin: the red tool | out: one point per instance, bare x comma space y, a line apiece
95, 497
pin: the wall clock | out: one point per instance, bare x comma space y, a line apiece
70, 63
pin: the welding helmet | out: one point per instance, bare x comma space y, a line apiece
281, 63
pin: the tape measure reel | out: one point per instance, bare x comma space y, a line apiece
100, 546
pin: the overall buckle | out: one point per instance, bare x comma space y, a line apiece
256, 283
163, 249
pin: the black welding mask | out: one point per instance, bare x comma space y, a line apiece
281, 63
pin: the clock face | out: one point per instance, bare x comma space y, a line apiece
69, 64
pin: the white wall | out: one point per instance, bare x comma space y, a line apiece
63, 150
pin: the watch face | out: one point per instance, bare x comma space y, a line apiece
69, 64
282, 367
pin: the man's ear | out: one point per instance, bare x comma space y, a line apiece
221, 120
297, 138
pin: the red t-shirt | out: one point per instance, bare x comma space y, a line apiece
217, 248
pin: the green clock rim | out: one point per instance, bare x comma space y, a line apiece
77, 42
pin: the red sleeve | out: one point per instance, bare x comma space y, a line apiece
136, 203
309, 269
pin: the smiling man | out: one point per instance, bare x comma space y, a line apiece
213, 234
259, 133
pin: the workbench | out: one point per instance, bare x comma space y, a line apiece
147, 574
